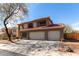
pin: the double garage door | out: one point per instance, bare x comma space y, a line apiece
52, 35
37, 35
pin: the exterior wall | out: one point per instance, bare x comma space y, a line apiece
17, 31
54, 35
49, 22
25, 26
34, 24
21, 27
37, 35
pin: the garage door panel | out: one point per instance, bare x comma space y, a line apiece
53, 35
37, 35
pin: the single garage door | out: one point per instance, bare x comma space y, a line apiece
37, 35
54, 35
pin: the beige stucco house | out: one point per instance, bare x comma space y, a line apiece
40, 29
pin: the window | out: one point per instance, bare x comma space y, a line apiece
30, 25
42, 23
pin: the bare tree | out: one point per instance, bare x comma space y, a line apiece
68, 29
10, 12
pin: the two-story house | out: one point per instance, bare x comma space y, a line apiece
40, 29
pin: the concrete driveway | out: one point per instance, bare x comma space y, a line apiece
9, 53
33, 48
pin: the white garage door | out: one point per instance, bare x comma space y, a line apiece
37, 35
53, 35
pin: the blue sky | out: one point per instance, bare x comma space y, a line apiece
67, 13
58, 12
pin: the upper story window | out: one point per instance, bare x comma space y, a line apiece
30, 25
42, 23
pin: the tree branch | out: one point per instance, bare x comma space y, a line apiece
9, 15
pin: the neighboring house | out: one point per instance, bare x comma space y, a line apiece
12, 31
1, 32
40, 29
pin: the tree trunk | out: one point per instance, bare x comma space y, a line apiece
7, 32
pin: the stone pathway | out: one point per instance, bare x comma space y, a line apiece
35, 47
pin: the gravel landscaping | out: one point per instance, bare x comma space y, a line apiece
36, 48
